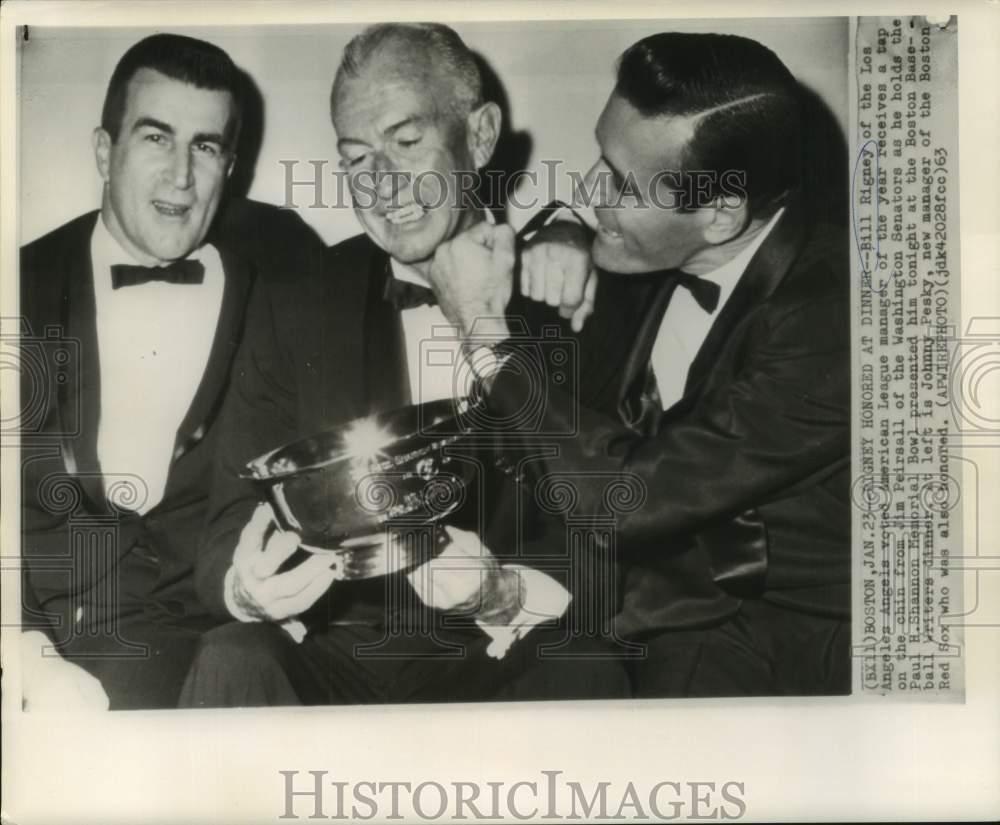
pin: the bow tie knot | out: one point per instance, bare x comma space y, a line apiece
407, 295
177, 272
706, 293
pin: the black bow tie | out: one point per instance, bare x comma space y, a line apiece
705, 292
178, 272
407, 295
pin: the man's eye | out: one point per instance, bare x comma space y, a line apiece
354, 162
156, 137
408, 143
209, 149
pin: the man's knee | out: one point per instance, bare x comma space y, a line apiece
242, 646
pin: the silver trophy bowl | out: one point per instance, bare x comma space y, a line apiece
344, 489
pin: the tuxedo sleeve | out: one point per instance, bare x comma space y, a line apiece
781, 421
258, 415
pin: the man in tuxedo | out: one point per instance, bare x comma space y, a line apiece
408, 110
132, 319
718, 369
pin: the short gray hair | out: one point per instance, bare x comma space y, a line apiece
437, 44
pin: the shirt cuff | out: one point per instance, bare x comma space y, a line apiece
227, 590
542, 599
566, 213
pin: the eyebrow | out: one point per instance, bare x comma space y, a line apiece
199, 137
153, 123
209, 137
389, 130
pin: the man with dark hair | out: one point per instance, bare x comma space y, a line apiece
739, 105
142, 317
717, 369
410, 120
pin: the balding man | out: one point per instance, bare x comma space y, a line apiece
412, 125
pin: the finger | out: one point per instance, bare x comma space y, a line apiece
279, 547
251, 541
574, 283
554, 284
504, 243
300, 602
463, 543
481, 233
291, 584
529, 262
536, 282
585, 309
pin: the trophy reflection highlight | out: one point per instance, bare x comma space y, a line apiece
346, 489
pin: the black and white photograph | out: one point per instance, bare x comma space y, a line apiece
411, 373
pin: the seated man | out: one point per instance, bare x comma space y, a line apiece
139, 317
408, 111
718, 361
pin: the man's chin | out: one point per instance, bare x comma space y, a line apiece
173, 252
410, 257
607, 261
617, 262
412, 251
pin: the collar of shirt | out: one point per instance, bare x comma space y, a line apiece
729, 274
153, 343
105, 252
686, 325
435, 361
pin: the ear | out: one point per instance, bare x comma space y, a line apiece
102, 152
231, 166
729, 216
483, 131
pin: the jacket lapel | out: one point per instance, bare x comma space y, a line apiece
636, 366
766, 270
208, 398
612, 349
386, 370
79, 396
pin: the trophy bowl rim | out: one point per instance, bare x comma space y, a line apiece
438, 412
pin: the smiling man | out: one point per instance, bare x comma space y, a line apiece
412, 126
717, 361
115, 475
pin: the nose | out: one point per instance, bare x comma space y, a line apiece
389, 178
181, 169
593, 192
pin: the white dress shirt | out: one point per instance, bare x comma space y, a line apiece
438, 369
434, 359
153, 343
685, 325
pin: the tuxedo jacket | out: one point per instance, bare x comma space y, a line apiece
321, 348
741, 488
87, 559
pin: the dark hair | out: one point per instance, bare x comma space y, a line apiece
743, 105
192, 61
431, 45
